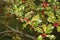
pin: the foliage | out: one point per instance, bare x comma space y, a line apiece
37, 18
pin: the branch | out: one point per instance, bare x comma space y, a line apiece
6, 32
16, 31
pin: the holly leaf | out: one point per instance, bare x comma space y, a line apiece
49, 13
51, 19
25, 25
44, 27
36, 24
49, 0
31, 4
39, 38
58, 28
39, 30
35, 18
47, 29
48, 8
50, 26
28, 14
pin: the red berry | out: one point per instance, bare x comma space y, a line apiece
44, 4
43, 35
42, 12
26, 19
55, 24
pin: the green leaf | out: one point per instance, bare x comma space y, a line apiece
50, 26
58, 28
51, 19
44, 27
49, 0
48, 8
35, 18
50, 13
39, 30
25, 25
36, 24
47, 29
31, 4
39, 38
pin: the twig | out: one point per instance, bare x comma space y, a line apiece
16, 31
6, 31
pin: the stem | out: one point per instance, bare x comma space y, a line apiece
13, 30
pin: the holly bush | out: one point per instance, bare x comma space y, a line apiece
30, 20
